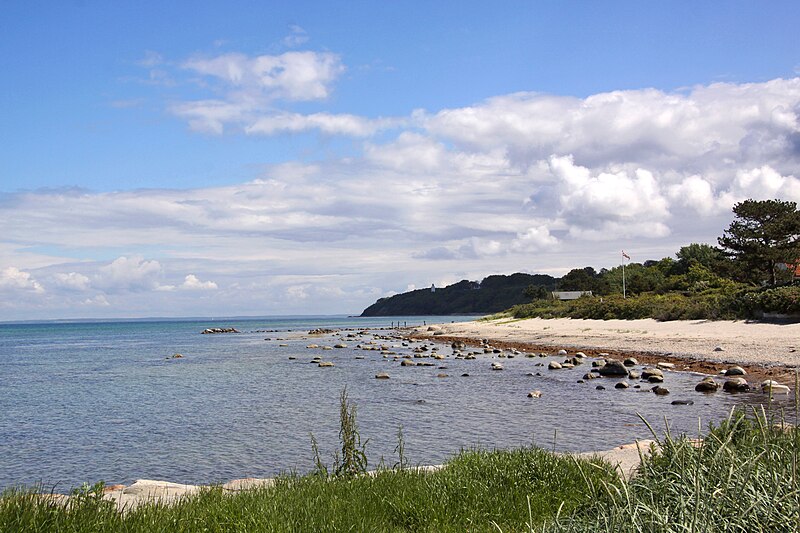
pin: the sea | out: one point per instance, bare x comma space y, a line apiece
89, 401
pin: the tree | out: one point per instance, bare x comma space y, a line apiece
763, 235
579, 279
696, 253
536, 292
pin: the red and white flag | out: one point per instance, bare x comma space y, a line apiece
626, 256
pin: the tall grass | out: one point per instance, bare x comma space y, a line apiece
741, 477
477, 491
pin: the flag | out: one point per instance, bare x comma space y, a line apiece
626, 256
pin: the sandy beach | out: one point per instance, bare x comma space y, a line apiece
768, 350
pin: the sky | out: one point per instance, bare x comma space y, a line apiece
166, 159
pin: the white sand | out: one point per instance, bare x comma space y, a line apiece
741, 341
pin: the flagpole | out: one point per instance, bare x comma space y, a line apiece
624, 291
624, 296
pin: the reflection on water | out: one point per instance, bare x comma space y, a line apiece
88, 402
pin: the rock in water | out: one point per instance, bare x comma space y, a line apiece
774, 387
554, 365
382, 375
613, 368
737, 384
647, 373
707, 385
682, 402
535, 394
660, 391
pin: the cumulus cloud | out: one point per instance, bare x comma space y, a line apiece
192, 283
129, 273
701, 127
14, 279
630, 203
71, 280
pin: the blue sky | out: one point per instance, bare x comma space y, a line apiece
267, 158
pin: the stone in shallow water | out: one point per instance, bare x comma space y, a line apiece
707, 385
613, 368
737, 384
682, 402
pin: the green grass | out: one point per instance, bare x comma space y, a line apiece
477, 491
742, 478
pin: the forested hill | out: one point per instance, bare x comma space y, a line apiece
493, 294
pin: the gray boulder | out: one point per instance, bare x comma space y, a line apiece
613, 368
736, 384
707, 385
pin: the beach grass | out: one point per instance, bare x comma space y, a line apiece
513, 490
742, 476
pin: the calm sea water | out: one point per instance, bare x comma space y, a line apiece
84, 402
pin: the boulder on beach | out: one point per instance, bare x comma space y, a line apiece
707, 384
613, 368
735, 371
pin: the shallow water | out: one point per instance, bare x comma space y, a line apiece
83, 402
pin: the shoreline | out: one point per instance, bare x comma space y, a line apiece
764, 350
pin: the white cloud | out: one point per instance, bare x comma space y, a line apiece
290, 76
71, 280
14, 279
192, 283
124, 273
618, 201
342, 124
